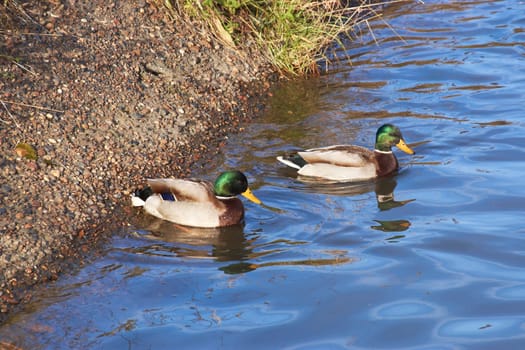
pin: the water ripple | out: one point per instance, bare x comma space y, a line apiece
403, 309
481, 329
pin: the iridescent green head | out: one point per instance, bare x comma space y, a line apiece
232, 183
389, 135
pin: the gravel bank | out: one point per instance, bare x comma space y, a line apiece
107, 93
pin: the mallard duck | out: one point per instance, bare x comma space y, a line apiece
197, 203
349, 162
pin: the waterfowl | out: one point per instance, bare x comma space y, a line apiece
196, 203
350, 162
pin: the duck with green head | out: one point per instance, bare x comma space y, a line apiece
196, 203
350, 162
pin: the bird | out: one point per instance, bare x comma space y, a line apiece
194, 202
349, 162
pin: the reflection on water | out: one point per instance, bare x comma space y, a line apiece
335, 188
430, 258
392, 225
385, 194
385, 201
220, 244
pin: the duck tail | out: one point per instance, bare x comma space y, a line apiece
292, 160
138, 198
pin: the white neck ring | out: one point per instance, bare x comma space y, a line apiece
384, 152
223, 198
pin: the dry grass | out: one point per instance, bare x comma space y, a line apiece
293, 35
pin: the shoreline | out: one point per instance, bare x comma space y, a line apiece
107, 95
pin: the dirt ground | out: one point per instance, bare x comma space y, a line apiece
107, 93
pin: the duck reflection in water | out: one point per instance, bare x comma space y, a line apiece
221, 243
385, 201
391, 225
224, 244
384, 189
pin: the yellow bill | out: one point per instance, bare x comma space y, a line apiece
403, 146
249, 194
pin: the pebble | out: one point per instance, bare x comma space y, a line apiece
54, 173
120, 125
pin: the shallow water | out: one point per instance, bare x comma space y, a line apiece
431, 258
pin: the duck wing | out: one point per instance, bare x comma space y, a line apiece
340, 155
189, 190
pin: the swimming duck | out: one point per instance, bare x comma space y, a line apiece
197, 203
349, 162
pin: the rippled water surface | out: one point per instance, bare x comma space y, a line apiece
432, 258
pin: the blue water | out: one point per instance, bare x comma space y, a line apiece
439, 266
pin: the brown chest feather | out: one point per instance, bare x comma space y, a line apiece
386, 163
234, 212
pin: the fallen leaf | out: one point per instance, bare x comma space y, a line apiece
25, 150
